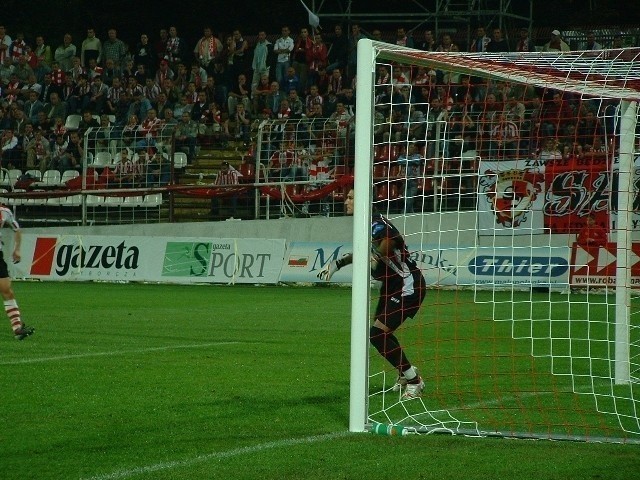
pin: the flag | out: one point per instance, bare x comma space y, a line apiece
314, 20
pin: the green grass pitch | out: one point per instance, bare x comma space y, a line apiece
204, 382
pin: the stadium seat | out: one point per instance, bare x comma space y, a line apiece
95, 200
72, 122
152, 200
112, 201
133, 201
37, 174
380, 172
180, 160
50, 178
102, 159
10, 177
68, 175
71, 201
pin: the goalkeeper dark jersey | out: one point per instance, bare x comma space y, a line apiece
399, 274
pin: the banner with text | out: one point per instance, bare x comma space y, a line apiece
596, 267
159, 259
462, 266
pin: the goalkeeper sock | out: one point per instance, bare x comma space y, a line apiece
388, 346
410, 374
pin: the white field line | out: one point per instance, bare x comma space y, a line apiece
127, 473
113, 353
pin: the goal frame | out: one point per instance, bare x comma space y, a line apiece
367, 54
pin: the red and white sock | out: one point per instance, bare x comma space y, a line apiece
13, 312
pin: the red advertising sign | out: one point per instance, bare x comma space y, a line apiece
576, 189
596, 266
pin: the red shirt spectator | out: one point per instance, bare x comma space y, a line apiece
592, 235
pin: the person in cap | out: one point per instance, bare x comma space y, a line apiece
556, 44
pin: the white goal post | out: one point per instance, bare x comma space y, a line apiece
567, 347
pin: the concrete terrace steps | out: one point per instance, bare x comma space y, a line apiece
207, 163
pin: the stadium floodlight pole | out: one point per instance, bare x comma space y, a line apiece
361, 238
628, 110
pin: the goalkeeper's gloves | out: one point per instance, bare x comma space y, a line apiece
330, 268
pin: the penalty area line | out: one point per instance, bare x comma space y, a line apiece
114, 353
127, 473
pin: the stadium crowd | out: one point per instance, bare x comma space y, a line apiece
221, 88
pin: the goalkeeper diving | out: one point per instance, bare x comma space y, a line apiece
402, 291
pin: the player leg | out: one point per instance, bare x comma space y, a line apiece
390, 314
20, 330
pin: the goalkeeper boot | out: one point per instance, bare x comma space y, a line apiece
413, 390
401, 382
23, 332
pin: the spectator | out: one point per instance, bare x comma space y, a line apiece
410, 169
33, 106
186, 133
556, 44
114, 48
6, 69
317, 59
497, 43
480, 42
158, 170
555, 115
301, 50
273, 100
65, 53
143, 55
207, 49
140, 106
17, 47
239, 94
591, 42
8, 144
291, 80
446, 45
38, 151
260, 62
283, 48
240, 48
242, 123
91, 48
402, 39
5, 43
429, 42
352, 61
127, 172
176, 49
338, 55
44, 58
149, 130
227, 176
110, 72
99, 92
259, 94
592, 235
524, 42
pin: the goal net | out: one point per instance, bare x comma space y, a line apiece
512, 180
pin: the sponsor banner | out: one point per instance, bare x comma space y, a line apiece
573, 191
159, 259
464, 266
510, 202
596, 266
510, 198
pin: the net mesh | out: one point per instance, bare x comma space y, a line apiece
496, 168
